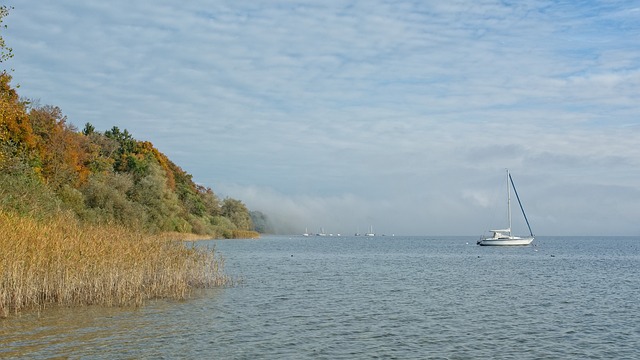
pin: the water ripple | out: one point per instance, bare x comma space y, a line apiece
346, 298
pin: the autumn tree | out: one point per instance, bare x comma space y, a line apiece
62, 149
17, 143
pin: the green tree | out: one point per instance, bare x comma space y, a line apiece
160, 203
237, 212
99, 152
124, 158
210, 200
106, 200
88, 129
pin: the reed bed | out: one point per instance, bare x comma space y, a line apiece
172, 235
62, 262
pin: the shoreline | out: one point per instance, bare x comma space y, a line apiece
200, 237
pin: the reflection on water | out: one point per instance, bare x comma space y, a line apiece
99, 332
58, 331
361, 298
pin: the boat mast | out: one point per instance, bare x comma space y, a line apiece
520, 203
509, 202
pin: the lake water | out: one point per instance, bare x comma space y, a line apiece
381, 297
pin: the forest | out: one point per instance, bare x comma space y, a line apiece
109, 177
49, 166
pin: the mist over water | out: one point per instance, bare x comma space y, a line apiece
360, 297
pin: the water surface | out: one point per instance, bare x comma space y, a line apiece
361, 297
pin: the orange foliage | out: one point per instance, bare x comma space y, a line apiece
14, 122
146, 147
61, 149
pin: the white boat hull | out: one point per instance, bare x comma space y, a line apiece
511, 241
503, 237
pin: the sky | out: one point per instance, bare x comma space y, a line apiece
341, 115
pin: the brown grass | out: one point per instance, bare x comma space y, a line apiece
174, 235
62, 262
241, 234
227, 234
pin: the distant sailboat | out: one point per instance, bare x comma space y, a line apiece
306, 232
370, 233
504, 237
321, 233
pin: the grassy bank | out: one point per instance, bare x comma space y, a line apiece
61, 262
230, 234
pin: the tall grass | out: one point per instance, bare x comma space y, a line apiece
61, 262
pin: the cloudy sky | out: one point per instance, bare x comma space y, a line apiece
401, 115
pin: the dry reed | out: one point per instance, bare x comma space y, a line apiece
62, 262
172, 235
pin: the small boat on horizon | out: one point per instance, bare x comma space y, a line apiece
370, 233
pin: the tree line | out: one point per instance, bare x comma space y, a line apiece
47, 165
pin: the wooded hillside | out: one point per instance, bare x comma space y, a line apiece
47, 165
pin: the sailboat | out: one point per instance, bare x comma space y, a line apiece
503, 237
370, 233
